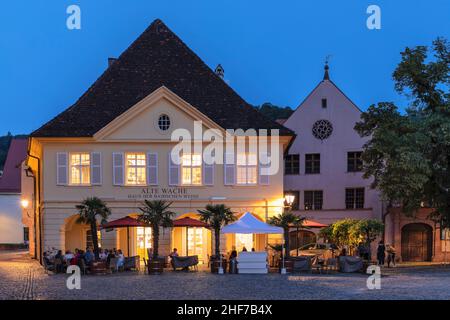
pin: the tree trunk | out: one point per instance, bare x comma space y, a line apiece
286, 242
95, 239
217, 238
155, 230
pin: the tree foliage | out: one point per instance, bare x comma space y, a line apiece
408, 155
156, 214
217, 216
285, 220
350, 232
90, 211
274, 112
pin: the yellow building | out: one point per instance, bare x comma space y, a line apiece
115, 143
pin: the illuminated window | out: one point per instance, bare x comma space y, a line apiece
247, 169
135, 169
80, 167
191, 169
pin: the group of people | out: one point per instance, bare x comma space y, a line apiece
381, 254
61, 261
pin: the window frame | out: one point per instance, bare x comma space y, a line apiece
80, 167
312, 166
314, 199
191, 167
288, 159
247, 166
351, 198
135, 166
353, 164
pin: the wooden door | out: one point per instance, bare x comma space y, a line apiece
416, 242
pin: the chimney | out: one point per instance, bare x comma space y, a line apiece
219, 71
111, 61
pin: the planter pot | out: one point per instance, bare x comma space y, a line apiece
215, 264
288, 265
98, 267
156, 267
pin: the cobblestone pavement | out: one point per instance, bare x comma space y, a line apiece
23, 278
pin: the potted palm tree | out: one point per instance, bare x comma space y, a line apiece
156, 214
217, 216
286, 220
90, 210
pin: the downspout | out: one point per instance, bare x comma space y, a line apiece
37, 190
34, 209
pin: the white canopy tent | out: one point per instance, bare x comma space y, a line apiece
249, 224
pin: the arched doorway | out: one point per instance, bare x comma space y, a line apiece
301, 238
417, 239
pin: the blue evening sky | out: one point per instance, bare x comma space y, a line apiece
272, 51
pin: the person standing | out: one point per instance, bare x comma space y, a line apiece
381, 251
391, 255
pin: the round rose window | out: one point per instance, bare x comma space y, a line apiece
322, 129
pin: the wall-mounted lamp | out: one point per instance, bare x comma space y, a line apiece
24, 203
289, 199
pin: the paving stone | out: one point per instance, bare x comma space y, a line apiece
23, 278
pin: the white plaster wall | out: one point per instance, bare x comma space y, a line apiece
11, 228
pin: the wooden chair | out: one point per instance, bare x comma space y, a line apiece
317, 265
331, 265
145, 265
113, 265
48, 267
83, 267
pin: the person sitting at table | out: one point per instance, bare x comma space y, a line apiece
78, 255
110, 256
89, 256
121, 259
103, 254
174, 253
244, 249
67, 257
253, 249
59, 258
47, 259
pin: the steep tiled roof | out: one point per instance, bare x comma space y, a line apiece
157, 58
10, 180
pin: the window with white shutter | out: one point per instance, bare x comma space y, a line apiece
208, 174
174, 170
229, 169
152, 168
96, 168
62, 168
263, 168
118, 169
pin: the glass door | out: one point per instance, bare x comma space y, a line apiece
143, 241
195, 242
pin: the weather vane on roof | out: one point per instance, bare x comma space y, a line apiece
326, 75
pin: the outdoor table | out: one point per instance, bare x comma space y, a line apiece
184, 262
350, 264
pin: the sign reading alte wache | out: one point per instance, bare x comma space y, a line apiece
164, 193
